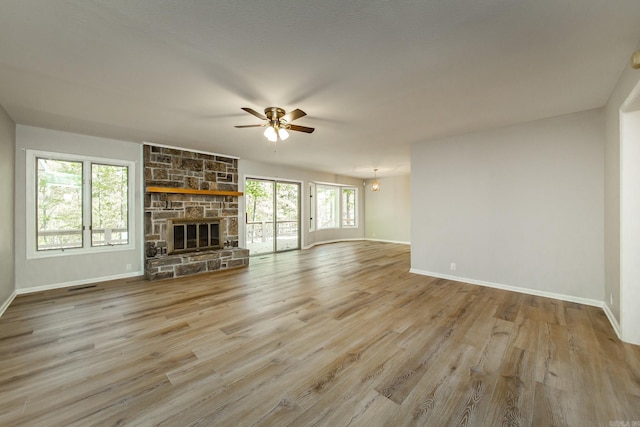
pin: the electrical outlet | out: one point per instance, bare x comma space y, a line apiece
128, 266
453, 266
611, 298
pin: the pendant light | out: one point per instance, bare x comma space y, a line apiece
375, 184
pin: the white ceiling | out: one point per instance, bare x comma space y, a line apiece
373, 76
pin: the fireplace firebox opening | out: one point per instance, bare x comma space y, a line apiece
194, 234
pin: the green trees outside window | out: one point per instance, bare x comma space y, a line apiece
349, 207
328, 207
109, 205
59, 204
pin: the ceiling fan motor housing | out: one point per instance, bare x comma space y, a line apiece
274, 113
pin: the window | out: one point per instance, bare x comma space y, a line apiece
328, 207
109, 205
335, 206
349, 207
81, 204
59, 204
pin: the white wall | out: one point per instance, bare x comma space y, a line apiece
388, 211
520, 206
7, 235
630, 226
43, 273
628, 81
253, 169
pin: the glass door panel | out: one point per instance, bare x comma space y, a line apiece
272, 216
259, 216
287, 216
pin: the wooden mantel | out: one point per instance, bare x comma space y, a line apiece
193, 191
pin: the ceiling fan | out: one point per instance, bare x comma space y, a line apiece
278, 122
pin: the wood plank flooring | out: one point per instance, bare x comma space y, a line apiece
338, 335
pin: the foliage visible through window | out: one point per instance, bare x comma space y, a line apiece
287, 215
61, 208
109, 205
327, 206
59, 204
334, 206
259, 209
272, 215
349, 207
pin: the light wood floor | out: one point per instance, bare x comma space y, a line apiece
336, 335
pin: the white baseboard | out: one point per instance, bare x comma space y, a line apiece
33, 289
7, 303
612, 319
324, 242
355, 239
528, 291
400, 242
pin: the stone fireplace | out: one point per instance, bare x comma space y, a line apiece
191, 213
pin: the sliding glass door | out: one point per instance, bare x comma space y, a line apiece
272, 215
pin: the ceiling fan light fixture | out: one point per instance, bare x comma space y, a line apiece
271, 134
283, 134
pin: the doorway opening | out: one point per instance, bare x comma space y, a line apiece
272, 215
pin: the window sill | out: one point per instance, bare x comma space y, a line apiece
54, 253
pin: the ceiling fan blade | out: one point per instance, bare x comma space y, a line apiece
293, 115
255, 113
300, 128
249, 126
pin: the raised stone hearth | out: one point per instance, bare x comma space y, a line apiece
179, 265
189, 187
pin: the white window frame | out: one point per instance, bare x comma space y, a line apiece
313, 206
31, 205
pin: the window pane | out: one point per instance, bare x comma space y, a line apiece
348, 207
260, 215
327, 205
287, 215
59, 204
109, 205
